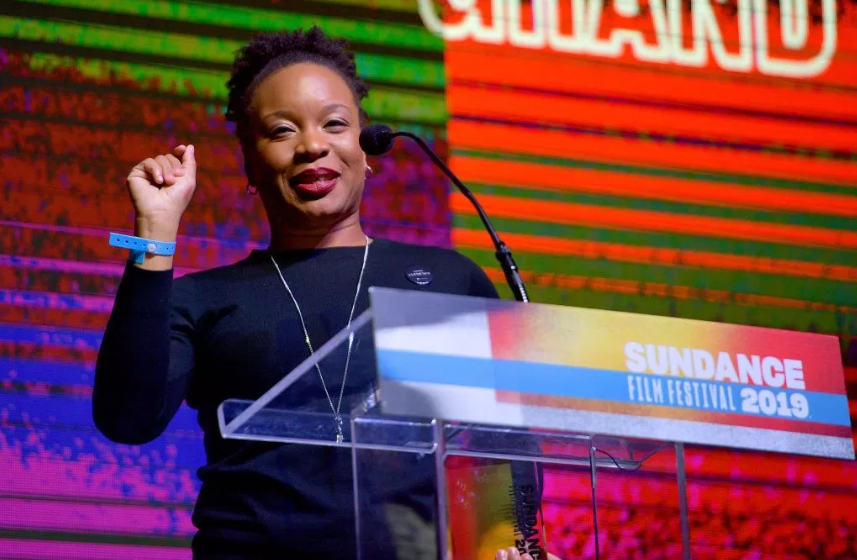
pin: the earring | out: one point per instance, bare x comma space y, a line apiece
251, 190
368, 171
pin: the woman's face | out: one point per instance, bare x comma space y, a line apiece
304, 152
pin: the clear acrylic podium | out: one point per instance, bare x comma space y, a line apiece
402, 493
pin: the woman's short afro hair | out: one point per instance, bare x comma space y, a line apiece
268, 52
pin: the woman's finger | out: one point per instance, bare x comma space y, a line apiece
176, 164
513, 553
167, 167
151, 167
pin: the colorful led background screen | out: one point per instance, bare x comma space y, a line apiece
666, 157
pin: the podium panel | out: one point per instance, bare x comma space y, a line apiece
564, 368
483, 452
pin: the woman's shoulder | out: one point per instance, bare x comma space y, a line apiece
217, 277
442, 264
399, 250
404, 248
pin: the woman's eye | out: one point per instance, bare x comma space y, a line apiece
278, 130
336, 123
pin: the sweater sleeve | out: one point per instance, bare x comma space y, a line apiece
146, 357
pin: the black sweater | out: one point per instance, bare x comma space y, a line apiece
232, 332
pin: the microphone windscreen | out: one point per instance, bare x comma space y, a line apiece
376, 139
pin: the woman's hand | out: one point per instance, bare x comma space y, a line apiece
161, 188
512, 553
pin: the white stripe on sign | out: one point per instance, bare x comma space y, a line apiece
430, 323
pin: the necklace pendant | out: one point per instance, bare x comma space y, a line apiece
339, 436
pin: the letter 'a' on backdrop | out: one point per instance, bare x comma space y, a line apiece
611, 373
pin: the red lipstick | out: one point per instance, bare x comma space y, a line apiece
314, 183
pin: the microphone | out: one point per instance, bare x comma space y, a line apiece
377, 139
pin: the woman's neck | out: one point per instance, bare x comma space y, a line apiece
347, 233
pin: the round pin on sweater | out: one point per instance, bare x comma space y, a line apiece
419, 275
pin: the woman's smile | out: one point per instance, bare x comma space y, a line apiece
314, 183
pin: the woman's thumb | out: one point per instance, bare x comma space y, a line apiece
189, 160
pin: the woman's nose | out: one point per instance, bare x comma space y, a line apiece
312, 145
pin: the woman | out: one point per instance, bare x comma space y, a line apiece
232, 332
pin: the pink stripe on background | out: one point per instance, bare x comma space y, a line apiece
20, 549
73, 517
110, 473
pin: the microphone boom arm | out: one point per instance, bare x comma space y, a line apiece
503, 253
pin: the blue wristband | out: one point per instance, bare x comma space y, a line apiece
139, 246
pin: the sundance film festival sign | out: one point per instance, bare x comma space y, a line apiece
550, 28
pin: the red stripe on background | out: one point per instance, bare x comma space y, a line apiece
503, 138
662, 256
539, 176
644, 220
602, 114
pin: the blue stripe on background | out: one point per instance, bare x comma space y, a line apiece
61, 301
568, 381
51, 336
63, 410
54, 373
73, 444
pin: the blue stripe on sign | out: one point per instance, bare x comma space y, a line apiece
570, 381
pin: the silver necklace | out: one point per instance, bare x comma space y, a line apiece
335, 409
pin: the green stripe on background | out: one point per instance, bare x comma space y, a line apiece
771, 317
406, 105
667, 240
395, 104
799, 288
96, 538
719, 211
187, 82
729, 178
407, 6
374, 68
257, 19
